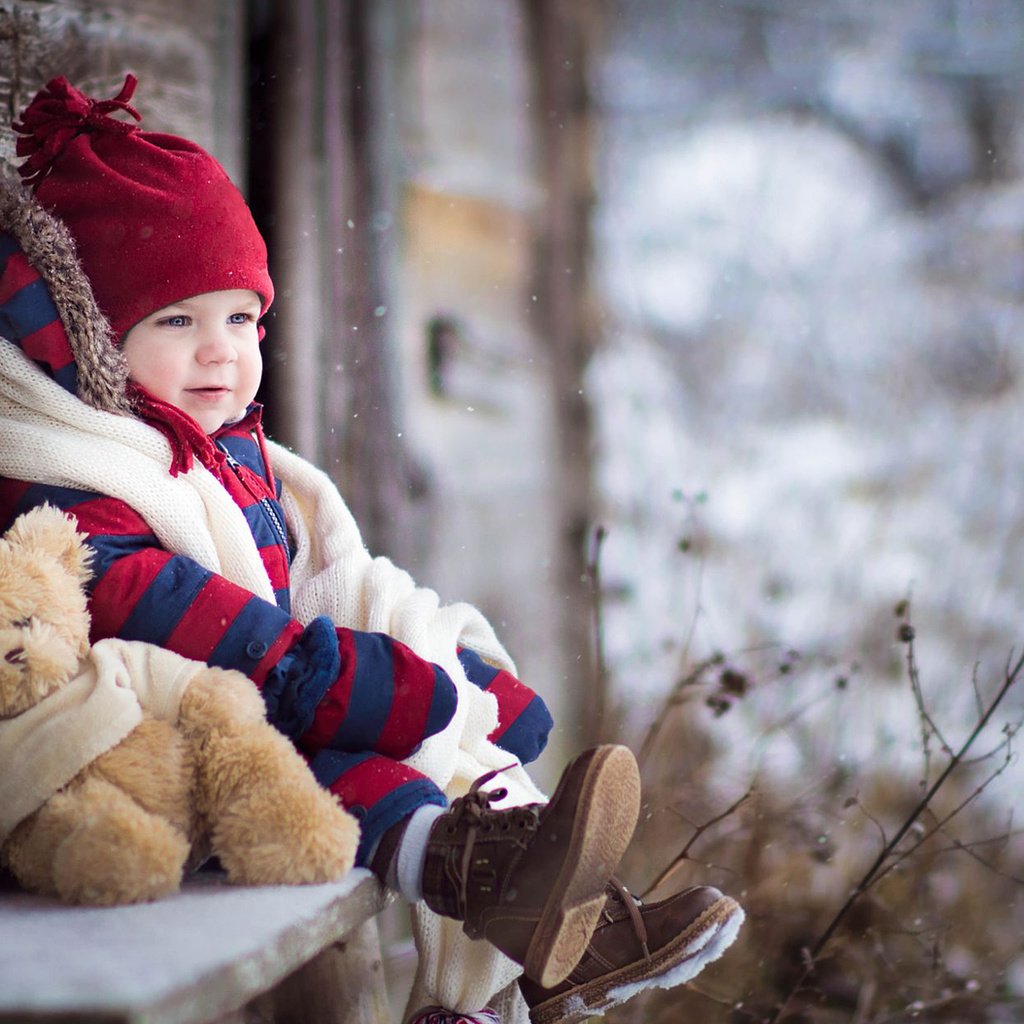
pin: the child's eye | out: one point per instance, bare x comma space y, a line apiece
175, 321
241, 318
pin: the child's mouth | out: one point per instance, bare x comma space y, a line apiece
209, 394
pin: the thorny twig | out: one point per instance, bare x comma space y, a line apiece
899, 857
699, 830
958, 846
878, 867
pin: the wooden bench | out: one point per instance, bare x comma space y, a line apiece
211, 953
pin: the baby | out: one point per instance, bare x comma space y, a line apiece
212, 541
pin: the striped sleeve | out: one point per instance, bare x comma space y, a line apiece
140, 591
385, 698
524, 721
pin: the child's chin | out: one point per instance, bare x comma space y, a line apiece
210, 424
209, 419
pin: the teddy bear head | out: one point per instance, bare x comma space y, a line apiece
44, 622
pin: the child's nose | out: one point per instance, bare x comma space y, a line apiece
216, 347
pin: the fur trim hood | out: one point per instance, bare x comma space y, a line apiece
47, 308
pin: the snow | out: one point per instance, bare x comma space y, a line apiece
815, 388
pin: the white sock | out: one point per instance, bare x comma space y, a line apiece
412, 851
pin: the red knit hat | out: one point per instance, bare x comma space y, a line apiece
154, 217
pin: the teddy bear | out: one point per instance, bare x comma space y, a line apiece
123, 764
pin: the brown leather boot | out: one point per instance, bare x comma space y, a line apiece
531, 880
636, 946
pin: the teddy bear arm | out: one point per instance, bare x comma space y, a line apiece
221, 701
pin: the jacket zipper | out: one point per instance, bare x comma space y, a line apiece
263, 502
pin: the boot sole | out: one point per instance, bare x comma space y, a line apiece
676, 963
609, 805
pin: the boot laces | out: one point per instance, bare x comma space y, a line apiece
632, 904
475, 808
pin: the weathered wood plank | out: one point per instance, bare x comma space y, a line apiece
197, 957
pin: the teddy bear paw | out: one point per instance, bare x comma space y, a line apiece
306, 841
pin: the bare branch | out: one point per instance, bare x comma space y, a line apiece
711, 997
1009, 731
600, 701
928, 726
879, 866
958, 846
699, 830
676, 696
941, 823
979, 703
855, 802
921, 1007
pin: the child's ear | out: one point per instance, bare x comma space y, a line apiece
53, 534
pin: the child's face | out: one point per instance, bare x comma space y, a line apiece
201, 354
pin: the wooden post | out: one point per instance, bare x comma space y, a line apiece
335, 385
343, 985
562, 35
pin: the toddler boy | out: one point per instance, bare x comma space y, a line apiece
215, 543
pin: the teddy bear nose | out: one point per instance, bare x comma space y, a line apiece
15, 656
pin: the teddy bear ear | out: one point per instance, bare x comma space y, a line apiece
51, 532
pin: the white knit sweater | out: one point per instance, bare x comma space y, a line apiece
49, 436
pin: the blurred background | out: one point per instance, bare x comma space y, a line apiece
683, 339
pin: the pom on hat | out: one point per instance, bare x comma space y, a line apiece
57, 114
154, 217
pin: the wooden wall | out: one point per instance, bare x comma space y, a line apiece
188, 55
